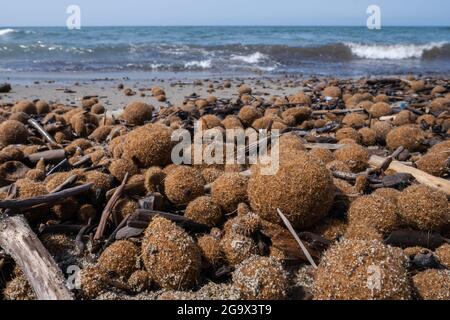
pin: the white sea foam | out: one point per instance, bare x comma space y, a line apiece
6, 31
251, 58
392, 52
204, 64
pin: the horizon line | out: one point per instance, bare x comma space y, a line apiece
227, 25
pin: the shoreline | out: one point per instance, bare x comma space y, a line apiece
71, 91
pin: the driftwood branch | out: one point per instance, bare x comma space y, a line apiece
329, 146
294, 234
412, 238
422, 177
108, 209
48, 198
43, 274
48, 156
142, 217
42, 131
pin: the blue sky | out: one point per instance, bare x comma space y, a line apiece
224, 12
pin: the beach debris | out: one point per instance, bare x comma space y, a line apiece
362, 177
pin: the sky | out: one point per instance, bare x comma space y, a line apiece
224, 12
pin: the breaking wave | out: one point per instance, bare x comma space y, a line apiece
6, 31
395, 52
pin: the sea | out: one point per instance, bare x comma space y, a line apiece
216, 51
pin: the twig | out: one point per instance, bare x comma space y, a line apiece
68, 182
57, 167
144, 216
42, 131
294, 234
48, 198
48, 156
108, 208
110, 239
329, 146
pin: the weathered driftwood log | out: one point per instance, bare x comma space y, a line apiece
142, 217
422, 177
47, 199
412, 238
48, 156
41, 271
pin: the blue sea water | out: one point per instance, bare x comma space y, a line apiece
221, 51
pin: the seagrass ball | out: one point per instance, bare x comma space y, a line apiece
362, 270
302, 188
408, 136
120, 258
170, 255
433, 284
424, 208
137, 113
353, 155
204, 210
148, 146
261, 278
13, 132
183, 184
228, 190
374, 211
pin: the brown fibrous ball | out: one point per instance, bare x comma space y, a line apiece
237, 247
204, 210
424, 208
346, 133
301, 188
347, 268
148, 146
120, 258
170, 255
13, 132
25, 106
433, 284
229, 190
355, 120
119, 167
137, 113
261, 278
353, 155
211, 250
380, 109
368, 136
408, 136
374, 211
183, 184
248, 114
322, 154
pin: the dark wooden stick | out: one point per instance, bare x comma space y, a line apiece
295, 235
68, 182
48, 198
60, 228
59, 166
144, 215
129, 187
412, 238
108, 208
42, 131
41, 271
48, 156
